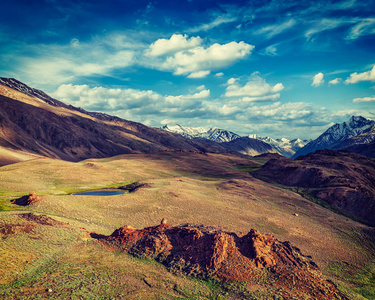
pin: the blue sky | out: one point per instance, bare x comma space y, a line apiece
277, 68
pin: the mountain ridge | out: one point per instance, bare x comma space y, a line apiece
342, 135
50, 128
283, 146
342, 179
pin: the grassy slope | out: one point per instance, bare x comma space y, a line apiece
185, 188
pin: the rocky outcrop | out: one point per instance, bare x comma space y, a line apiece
29, 199
132, 187
207, 252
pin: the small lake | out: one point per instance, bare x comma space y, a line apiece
101, 193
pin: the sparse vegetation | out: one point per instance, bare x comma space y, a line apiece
72, 265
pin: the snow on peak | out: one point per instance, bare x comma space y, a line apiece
338, 133
213, 133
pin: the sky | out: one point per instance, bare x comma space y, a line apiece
273, 68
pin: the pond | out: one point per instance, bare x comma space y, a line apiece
101, 193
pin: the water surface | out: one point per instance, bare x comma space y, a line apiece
102, 193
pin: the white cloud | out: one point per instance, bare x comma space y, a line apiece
99, 98
324, 25
204, 60
273, 97
231, 81
199, 108
177, 42
220, 74
199, 74
365, 76
365, 99
201, 95
112, 100
215, 23
271, 50
363, 27
56, 64
74, 43
287, 111
318, 80
335, 81
344, 115
256, 89
273, 30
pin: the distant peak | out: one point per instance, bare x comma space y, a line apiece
356, 119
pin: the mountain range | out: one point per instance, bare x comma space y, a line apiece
283, 146
356, 135
34, 124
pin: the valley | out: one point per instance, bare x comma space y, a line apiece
55, 249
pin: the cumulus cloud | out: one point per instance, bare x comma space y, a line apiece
112, 100
287, 111
365, 76
152, 108
335, 81
177, 42
199, 74
318, 80
189, 57
256, 89
204, 60
365, 99
100, 98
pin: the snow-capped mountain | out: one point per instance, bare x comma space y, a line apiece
284, 146
227, 139
341, 136
213, 134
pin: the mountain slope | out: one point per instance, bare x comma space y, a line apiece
340, 136
50, 128
284, 146
248, 146
362, 144
342, 179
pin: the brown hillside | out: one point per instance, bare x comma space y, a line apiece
31, 125
343, 179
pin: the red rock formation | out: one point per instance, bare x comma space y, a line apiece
206, 252
27, 199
